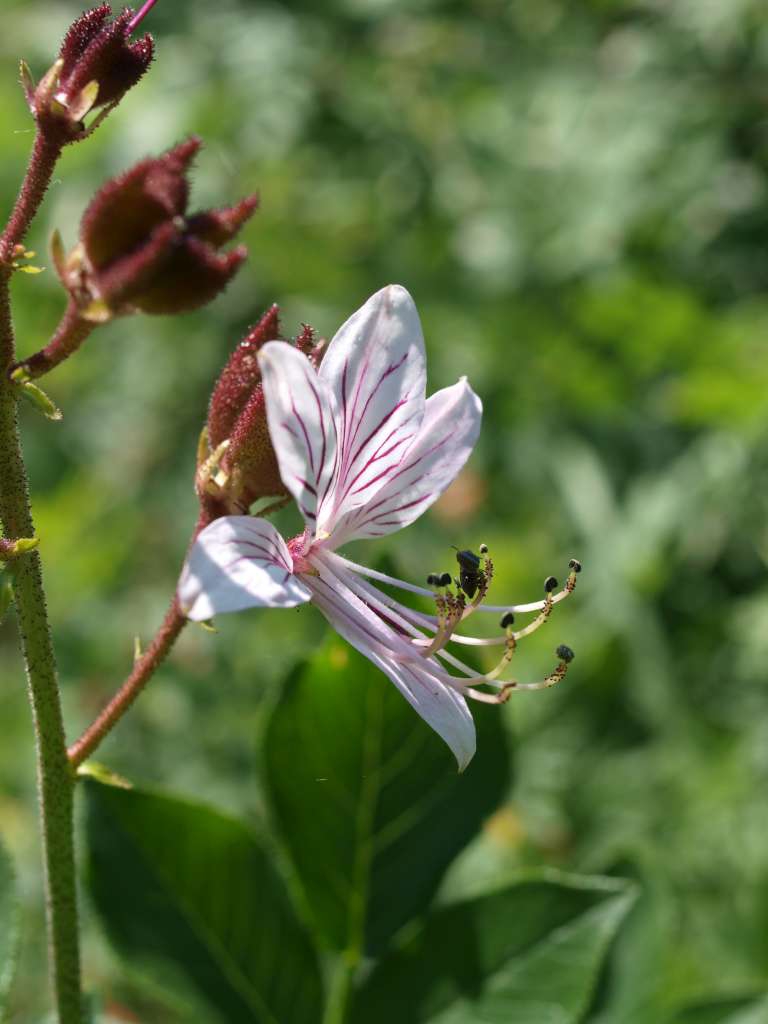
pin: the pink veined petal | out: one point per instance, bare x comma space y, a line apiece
238, 562
302, 427
445, 441
442, 707
375, 366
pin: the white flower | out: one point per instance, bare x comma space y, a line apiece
364, 453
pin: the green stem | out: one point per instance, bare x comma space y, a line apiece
55, 780
337, 1007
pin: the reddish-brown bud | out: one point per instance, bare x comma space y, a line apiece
139, 252
240, 378
97, 65
242, 466
98, 50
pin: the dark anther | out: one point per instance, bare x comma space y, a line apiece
433, 580
468, 561
564, 653
469, 572
445, 580
575, 565
507, 619
483, 549
550, 584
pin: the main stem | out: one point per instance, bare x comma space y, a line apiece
54, 776
55, 779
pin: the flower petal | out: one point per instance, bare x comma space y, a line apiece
238, 562
445, 441
376, 369
302, 426
441, 706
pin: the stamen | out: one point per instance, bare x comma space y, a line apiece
564, 653
407, 626
537, 606
140, 15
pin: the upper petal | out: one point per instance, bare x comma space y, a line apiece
238, 562
302, 425
376, 369
443, 444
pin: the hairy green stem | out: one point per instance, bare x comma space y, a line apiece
55, 779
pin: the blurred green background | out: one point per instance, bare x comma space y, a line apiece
575, 195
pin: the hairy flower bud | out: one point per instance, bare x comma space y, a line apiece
139, 252
239, 464
96, 66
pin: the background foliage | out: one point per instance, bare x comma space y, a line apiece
575, 194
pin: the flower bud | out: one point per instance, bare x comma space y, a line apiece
239, 447
97, 65
139, 252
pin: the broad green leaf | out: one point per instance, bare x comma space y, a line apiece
367, 796
527, 953
9, 928
189, 895
744, 1010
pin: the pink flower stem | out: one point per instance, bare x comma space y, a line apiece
140, 15
143, 670
45, 153
67, 339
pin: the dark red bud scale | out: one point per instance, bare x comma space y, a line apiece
219, 226
239, 378
125, 211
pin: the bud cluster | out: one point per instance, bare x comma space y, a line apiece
96, 66
140, 252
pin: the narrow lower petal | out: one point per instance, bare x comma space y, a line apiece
418, 679
448, 434
238, 562
375, 367
302, 425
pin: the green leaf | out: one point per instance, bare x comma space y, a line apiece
190, 896
737, 1010
367, 796
527, 953
9, 928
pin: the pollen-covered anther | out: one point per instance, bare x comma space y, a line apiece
563, 652
575, 568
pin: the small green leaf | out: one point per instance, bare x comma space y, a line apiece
189, 896
38, 398
9, 928
367, 796
27, 82
526, 954
58, 254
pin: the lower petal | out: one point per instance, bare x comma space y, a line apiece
238, 562
441, 706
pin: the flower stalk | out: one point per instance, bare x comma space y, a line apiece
143, 670
72, 331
